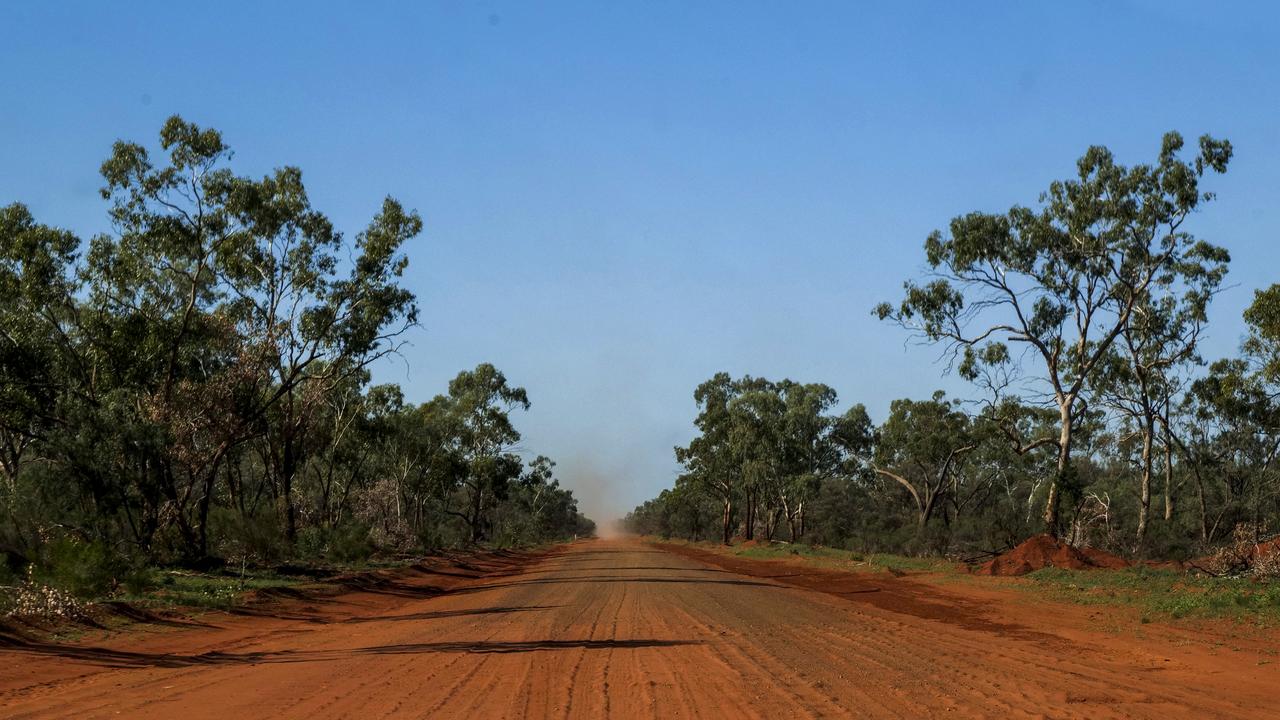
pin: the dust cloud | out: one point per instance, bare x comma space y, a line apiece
600, 492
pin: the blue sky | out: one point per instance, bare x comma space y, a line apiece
622, 199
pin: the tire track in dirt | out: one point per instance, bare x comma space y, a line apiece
744, 646
617, 629
1008, 668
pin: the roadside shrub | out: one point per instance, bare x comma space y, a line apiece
350, 543
255, 537
1168, 542
138, 580
86, 570
934, 539
311, 544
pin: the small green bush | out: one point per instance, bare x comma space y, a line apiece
350, 543
84, 569
257, 537
311, 544
138, 580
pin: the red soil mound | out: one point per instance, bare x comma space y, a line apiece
1268, 549
1041, 551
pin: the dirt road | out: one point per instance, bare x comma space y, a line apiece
618, 629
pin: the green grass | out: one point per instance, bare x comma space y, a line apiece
189, 589
1163, 594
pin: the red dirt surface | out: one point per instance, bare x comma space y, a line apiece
620, 629
1042, 551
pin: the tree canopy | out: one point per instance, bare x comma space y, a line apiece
194, 385
1079, 322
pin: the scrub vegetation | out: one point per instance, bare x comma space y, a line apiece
191, 390
1093, 419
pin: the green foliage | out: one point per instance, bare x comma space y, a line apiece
192, 388
925, 446
1262, 345
1068, 279
772, 461
86, 570
764, 445
349, 544
241, 537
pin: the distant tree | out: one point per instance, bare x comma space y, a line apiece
757, 445
812, 455
709, 458
921, 447
1262, 344
481, 402
538, 508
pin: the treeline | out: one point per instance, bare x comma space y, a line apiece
193, 386
1094, 416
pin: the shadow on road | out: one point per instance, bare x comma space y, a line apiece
124, 659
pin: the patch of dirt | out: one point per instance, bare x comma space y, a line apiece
1044, 551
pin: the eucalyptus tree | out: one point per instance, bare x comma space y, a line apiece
765, 448
757, 444
352, 438
1261, 349
537, 507
481, 402
1228, 426
1240, 398
1061, 282
1141, 376
1233, 445
708, 459
921, 447
37, 289
247, 315
1262, 343
811, 455
541, 490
